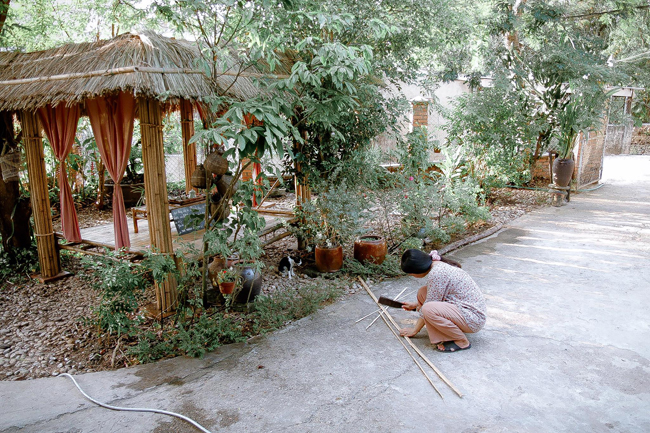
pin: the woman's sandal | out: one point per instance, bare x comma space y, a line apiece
450, 347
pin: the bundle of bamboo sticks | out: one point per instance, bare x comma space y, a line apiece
394, 327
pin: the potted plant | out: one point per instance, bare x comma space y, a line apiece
328, 222
234, 242
582, 113
227, 279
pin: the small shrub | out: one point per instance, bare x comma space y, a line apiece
389, 268
17, 264
121, 285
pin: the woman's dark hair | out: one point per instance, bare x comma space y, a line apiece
418, 262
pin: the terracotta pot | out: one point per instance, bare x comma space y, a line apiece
215, 266
370, 249
563, 171
328, 259
227, 287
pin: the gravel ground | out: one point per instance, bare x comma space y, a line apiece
42, 331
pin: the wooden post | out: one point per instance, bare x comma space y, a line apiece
48, 255
155, 185
303, 192
189, 149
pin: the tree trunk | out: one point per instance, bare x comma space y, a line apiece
13, 229
4, 8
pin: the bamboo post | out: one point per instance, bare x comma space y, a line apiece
155, 185
189, 149
408, 340
48, 255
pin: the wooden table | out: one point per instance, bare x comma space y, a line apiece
140, 212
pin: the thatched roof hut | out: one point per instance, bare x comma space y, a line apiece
147, 64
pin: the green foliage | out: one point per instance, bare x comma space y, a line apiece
584, 112
413, 154
238, 234
210, 331
389, 268
334, 218
17, 264
498, 131
281, 306
641, 108
121, 285
228, 275
441, 205
43, 24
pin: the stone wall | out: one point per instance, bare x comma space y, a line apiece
618, 139
640, 144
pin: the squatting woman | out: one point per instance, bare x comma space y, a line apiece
450, 304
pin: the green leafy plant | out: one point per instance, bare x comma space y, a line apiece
334, 218
582, 113
228, 275
121, 285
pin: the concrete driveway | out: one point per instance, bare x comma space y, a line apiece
565, 348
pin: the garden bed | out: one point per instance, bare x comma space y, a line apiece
42, 331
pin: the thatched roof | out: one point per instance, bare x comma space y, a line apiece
146, 64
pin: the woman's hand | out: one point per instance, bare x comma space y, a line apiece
410, 306
408, 332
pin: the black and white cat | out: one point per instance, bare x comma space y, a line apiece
286, 266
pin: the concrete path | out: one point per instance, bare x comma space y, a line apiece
565, 348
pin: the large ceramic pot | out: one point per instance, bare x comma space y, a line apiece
328, 259
563, 171
370, 249
131, 192
251, 284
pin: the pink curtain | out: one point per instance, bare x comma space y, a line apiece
111, 118
60, 125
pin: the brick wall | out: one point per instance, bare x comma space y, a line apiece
247, 174
640, 144
420, 113
541, 170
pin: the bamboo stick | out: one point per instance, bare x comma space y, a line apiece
48, 256
382, 309
275, 212
379, 309
189, 149
419, 352
132, 69
413, 357
269, 192
275, 239
274, 228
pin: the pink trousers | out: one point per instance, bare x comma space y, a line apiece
443, 320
